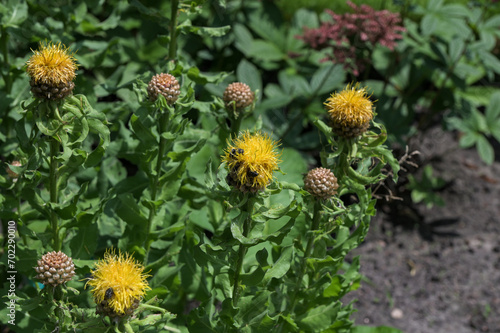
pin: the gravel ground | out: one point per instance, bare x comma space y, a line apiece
436, 270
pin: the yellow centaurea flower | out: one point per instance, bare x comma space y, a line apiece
350, 111
251, 160
118, 283
52, 70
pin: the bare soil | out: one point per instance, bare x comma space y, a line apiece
436, 270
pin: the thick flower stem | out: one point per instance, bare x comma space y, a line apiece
162, 146
54, 150
310, 241
172, 50
242, 250
59, 312
235, 126
307, 253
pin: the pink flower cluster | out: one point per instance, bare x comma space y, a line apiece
351, 34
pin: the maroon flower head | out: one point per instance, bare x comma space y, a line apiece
349, 34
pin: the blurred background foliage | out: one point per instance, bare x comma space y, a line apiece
444, 70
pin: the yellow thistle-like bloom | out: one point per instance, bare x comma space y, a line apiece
119, 284
52, 70
251, 160
350, 111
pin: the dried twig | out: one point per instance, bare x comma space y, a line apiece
404, 162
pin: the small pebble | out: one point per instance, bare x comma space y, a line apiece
397, 313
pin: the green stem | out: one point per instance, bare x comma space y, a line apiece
314, 227
242, 250
20, 220
163, 122
172, 49
17, 194
59, 312
6, 75
54, 150
307, 253
235, 126
4, 42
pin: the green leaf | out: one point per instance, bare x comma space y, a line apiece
485, 150
294, 165
246, 72
305, 18
243, 38
267, 323
327, 130
85, 241
274, 212
281, 266
80, 12
478, 121
264, 50
429, 24
275, 97
456, 48
237, 233
143, 133
493, 109
434, 5
15, 14
191, 274
129, 211
164, 273
469, 139
326, 79
103, 130
319, 318
333, 290
146, 10
34, 199
187, 152
251, 309
207, 31
371, 329
95, 156
294, 85
254, 277
477, 95
209, 175
203, 78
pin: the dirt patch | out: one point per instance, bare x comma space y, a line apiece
438, 269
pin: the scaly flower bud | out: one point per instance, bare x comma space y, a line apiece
166, 85
321, 183
10, 172
238, 96
55, 268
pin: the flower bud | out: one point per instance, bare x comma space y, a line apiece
12, 173
321, 183
166, 85
55, 268
238, 96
